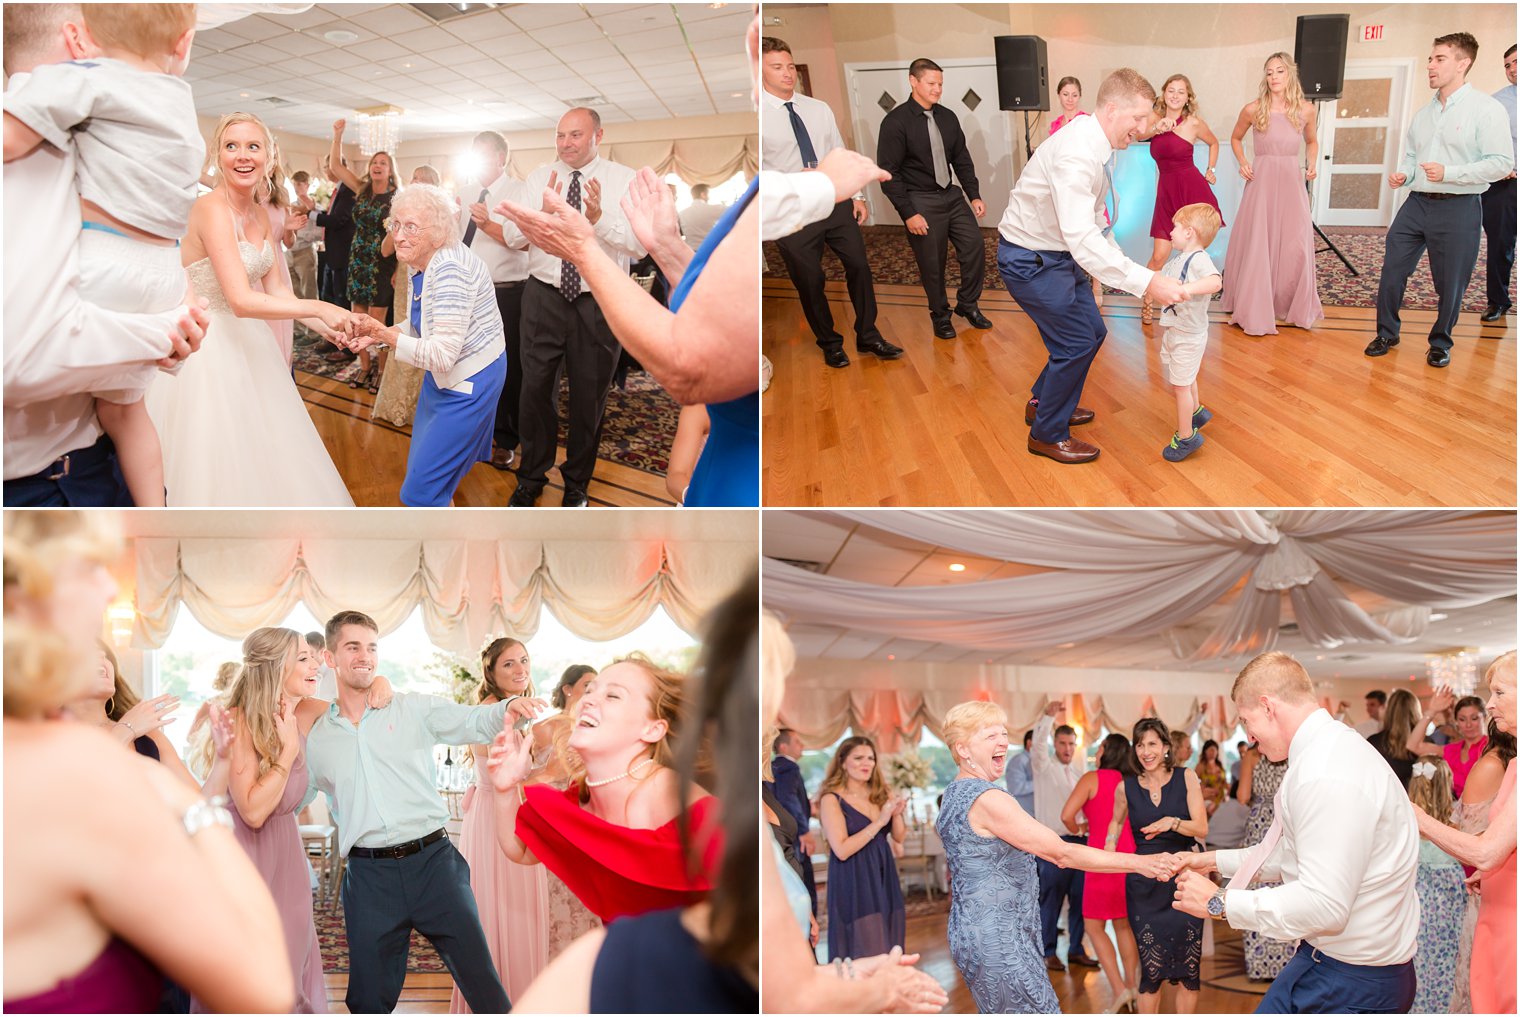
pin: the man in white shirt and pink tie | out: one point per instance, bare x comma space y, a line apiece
1345, 845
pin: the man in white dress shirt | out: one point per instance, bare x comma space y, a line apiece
1346, 851
1054, 777
481, 230
562, 326
796, 133
698, 218
1051, 242
59, 349
1375, 701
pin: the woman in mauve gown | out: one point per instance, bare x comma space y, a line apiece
1269, 265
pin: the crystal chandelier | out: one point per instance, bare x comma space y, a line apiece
379, 129
1456, 670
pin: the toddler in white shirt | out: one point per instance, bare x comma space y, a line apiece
1185, 326
131, 119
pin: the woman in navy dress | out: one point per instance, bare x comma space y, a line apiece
455, 335
1166, 813
990, 847
1174, 128
858, 814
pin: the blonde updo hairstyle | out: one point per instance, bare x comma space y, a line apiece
44, 669
964, 720
264, 192
268, 655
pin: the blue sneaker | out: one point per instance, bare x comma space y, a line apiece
1202, 415
1179, 449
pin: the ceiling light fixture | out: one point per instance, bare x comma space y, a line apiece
340, 35
956, 566
379, 128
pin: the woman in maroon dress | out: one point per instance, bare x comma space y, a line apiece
1174, 128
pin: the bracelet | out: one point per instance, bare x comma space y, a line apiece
129, 727
206, 812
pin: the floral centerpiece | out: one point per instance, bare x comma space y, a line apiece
907, 771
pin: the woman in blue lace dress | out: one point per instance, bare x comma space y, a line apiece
990, 846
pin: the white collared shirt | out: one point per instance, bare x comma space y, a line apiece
612, 229
790, 201
504, 264
698, 219
1348, 854
58, 349
1468, 135
1057, 205
1053, 780
778, 142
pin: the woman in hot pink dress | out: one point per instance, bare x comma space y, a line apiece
1069, 92
1269, 266
1174, 128
1103, 898
1492, 853
513, 900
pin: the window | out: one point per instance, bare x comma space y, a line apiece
726, 193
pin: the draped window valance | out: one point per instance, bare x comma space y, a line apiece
708, 161
468, 590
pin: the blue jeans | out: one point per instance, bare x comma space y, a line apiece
1057, 295
1315, 983
1061, 886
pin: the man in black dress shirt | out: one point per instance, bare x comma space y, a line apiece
921, 142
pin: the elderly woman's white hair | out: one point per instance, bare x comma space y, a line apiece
421, 197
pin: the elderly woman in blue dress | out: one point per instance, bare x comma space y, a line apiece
990, 847
454, 333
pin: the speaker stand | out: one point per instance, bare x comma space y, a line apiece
1329, 244
1028, 144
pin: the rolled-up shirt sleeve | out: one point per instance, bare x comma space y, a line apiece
790, 201
1330, 868
1080, 231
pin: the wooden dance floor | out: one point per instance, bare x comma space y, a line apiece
371, 458
1300, 418
420, 993
1223, 987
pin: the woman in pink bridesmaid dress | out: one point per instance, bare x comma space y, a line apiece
1269, 266
513, 900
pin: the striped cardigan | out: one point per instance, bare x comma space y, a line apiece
461, 325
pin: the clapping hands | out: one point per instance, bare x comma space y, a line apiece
651, 211
510, 760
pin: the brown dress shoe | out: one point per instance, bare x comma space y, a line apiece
1054, 964
1071, 450
1080, 415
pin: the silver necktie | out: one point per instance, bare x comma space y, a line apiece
937, 150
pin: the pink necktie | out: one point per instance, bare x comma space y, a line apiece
1257, 855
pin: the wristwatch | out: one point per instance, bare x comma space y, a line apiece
1216, 904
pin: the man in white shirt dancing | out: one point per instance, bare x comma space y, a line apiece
1051, 242
1347, 857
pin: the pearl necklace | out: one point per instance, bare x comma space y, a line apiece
647, 761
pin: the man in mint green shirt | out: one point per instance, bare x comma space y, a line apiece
1456, 146
376, 768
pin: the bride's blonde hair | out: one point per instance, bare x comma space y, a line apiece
1293, 95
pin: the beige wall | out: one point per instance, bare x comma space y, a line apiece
1219, 46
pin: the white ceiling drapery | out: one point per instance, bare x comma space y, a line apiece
1143, 573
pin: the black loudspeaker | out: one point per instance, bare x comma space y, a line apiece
1319, 49
1023, 82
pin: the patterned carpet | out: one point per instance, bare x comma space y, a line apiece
333, 942
892, 263
637, 428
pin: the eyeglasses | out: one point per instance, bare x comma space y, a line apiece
404, 229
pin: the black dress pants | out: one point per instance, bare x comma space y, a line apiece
949, 219
509, 301
1499, 228
573, 336
803, 254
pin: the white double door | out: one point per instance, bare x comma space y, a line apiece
1361, 136
875, 89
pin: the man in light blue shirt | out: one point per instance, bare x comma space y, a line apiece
1499, 211
1455, 147
1020, 776
376, 768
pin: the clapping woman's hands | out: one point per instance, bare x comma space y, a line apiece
558, 230
1160, 826
651, 211
223, 730
149, 715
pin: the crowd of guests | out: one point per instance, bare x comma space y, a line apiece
594, 872
1269, 270
487, 296
1013, 873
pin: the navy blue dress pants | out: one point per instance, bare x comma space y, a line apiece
1315, 983
1449, 228
1061, 886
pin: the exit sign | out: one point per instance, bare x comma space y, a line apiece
1372, 33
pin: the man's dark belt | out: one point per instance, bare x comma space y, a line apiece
1442, 195
516, 284
411, 847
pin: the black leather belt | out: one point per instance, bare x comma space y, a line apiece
1443, 196
411, 847
514, 285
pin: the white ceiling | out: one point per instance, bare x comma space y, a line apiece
513, 68
841, 548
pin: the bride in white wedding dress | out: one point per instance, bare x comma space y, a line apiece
234, 428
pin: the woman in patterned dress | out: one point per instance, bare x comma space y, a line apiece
1259, 781
1211, 776
371, 275
1443, 897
